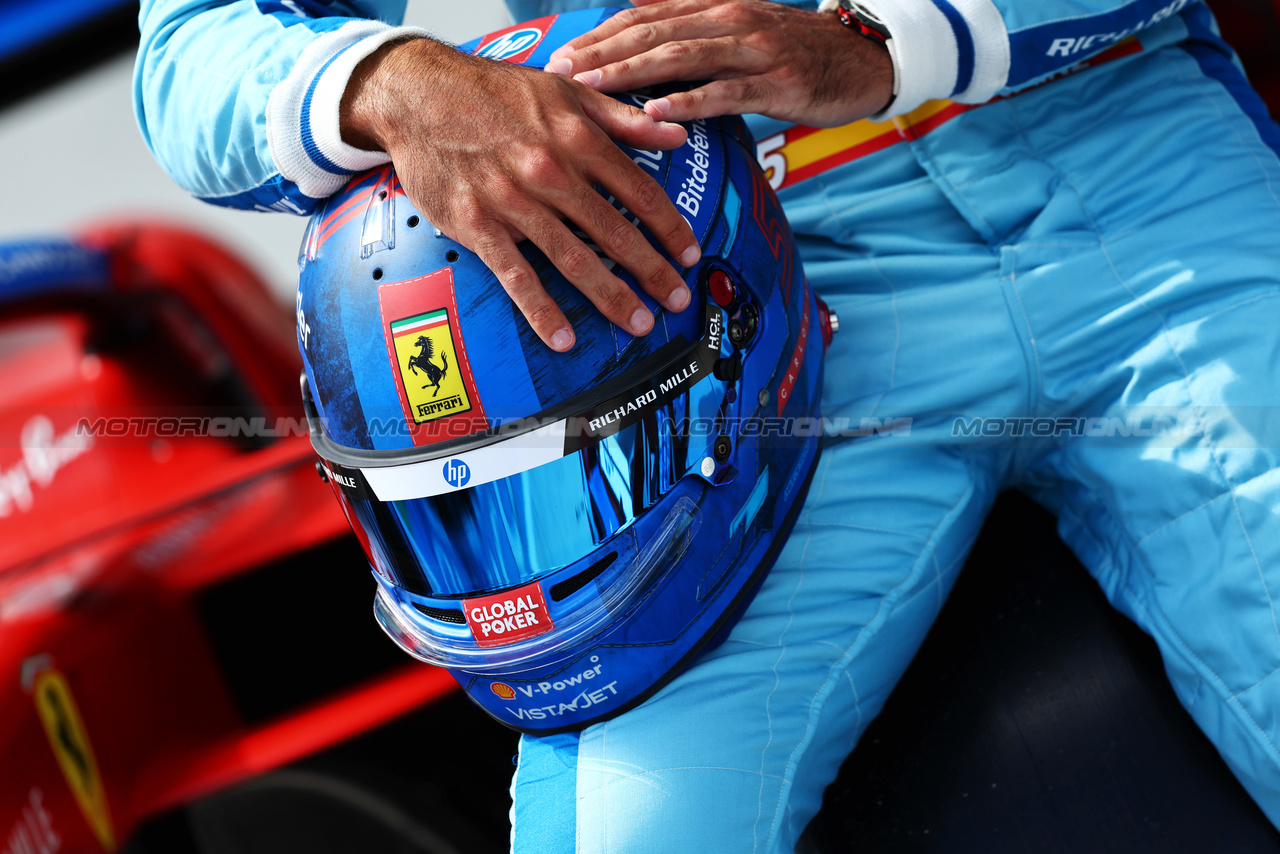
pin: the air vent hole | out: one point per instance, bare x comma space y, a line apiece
570, 586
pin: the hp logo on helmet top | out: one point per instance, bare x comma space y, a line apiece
457, 473
510, 44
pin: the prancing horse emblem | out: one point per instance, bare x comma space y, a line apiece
423, 361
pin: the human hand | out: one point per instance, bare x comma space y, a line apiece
492, 153
761, 57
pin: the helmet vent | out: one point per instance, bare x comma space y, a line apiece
447, 615
572, 585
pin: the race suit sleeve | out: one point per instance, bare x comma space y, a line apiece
238, 101
972, 50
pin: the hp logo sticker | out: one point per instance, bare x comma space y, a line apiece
457, 473
507, 46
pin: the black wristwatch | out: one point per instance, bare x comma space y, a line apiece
858, 19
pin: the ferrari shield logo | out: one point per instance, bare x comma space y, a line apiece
429, 366
70, 743
429, 358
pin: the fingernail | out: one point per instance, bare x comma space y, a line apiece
590, 78
690, 256
678, 299
562, 340
641, 321
674, 125
661, 106
559, 66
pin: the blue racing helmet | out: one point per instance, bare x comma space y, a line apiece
564, 532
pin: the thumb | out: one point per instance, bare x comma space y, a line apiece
628, 125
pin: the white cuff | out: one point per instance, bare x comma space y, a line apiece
303, 131
990, 51
926, 50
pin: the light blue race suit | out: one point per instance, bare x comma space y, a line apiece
1057, 267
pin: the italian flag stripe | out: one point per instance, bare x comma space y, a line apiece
419, 322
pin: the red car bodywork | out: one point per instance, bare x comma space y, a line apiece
116, 702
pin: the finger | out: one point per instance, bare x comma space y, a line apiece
738, 96
690, 59
641, 38
618, 238
584, 270
630, 17
629, 125
498, 251
641, 195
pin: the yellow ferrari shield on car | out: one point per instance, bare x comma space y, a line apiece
70, 742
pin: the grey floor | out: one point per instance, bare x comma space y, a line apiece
74, 156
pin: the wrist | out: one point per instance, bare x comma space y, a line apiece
877, 60
869, 66
373, 95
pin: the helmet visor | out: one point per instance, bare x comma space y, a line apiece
520, 528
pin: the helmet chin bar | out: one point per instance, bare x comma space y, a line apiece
655, 558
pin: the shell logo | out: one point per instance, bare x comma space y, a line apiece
503, 690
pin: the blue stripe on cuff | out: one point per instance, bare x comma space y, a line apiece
308, 142
964, 44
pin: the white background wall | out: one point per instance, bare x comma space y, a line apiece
73, 155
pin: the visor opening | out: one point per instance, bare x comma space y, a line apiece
446, 615
572, 585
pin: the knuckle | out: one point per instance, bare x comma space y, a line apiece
623, 68
788, 75
765, 41
576, 262
613, 298
541, 167
646, 34
622, 238
749, 91
579, 135
646, 196
679, 232
472, 217
659, 279
588, 57
541, 314
517, 280
732, 13
683, 50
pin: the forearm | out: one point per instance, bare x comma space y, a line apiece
240, 106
